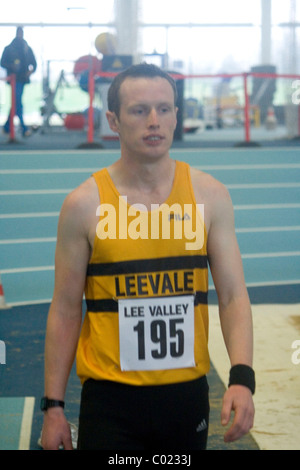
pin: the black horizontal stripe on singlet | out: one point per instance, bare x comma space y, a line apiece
111, 305
143, 266
147, 265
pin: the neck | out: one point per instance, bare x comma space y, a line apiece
144, 183
145, 175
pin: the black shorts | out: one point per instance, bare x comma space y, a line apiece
123, 417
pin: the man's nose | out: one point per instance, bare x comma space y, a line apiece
153, 118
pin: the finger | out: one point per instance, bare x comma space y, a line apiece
233, 433
240, 426
68, 443
226, 412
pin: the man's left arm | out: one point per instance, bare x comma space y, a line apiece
31, 60
235, 315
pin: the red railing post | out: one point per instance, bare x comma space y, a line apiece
91, 88
246, 108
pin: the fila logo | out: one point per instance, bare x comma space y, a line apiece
179, 216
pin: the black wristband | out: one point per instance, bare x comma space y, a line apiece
242, 374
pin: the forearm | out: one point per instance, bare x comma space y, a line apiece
237, 329
236, 323
60, 348
63, 329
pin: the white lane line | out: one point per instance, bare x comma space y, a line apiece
27, 269
248, 166
288, 205
17, 241
288, 282
28, 215
288, 228
56, 153
46, 171
239, 150
262, 185
24, 192
26, 425
279, 254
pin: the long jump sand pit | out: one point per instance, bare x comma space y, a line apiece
277, 367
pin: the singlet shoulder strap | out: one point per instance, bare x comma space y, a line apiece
105, 185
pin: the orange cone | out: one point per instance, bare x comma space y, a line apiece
271, 121
2, 298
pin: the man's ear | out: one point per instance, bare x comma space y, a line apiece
112, 121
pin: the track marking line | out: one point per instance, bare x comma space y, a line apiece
262, 185
249, 166
46, 171
27, 270
288, 228
291, 205
28, 215
17, 241
34, 191
26, 425
280, 254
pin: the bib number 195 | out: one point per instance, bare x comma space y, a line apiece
156, 334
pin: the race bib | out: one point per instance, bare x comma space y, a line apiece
156, 333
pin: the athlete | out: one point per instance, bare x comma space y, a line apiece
135, 239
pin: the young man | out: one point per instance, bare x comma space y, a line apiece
142, 351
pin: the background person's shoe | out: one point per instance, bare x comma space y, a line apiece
27, 133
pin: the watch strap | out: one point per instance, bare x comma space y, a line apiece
51, 403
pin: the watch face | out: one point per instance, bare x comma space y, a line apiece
43, 404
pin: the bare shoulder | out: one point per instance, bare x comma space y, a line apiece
214, 195
83, 198
208, 188
79, 208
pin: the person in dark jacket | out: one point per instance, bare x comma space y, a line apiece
18, 58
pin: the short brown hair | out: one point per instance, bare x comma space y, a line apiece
143, 70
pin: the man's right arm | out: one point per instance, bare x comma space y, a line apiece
65, 315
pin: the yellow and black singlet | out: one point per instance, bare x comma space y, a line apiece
146, 289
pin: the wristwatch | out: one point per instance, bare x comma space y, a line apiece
50, 403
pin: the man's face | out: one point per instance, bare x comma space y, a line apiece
147, 118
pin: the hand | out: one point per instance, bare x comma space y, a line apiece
237, 398
56, 431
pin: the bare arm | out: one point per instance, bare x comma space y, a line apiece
234, 309
65, 314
